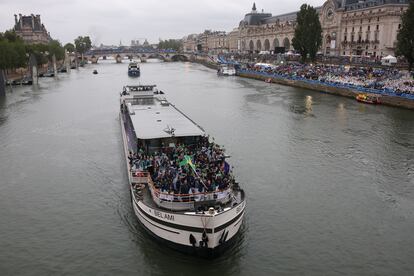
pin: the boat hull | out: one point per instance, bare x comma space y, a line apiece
134, 73
177, 235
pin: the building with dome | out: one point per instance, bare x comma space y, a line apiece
350, 28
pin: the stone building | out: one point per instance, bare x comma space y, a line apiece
350, 27
31, 29
208, 42
190, 43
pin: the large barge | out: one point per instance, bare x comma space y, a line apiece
182, 188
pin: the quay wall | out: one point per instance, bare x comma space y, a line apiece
391, 100
205, 60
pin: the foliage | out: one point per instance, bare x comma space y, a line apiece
308, 32
83, 44
69, 47
405, 37
39, 51
55, 48
173, 44
12, 51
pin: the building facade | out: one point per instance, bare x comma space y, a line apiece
31, 29
214, 42
349, 28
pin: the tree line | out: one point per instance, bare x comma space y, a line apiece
170, 44
14, 53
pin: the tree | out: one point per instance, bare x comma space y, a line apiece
12, 54
170, 44
12, 51
40, 51
308, 32
55, 48
405, 37
69, 47
82, 44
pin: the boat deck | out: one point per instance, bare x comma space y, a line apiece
238, 196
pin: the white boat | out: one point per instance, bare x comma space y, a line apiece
226, 70
200, 217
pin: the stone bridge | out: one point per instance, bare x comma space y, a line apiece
95, 55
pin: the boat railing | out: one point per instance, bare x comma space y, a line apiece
139, 177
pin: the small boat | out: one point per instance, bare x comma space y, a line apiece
369, 99
133, 69
170, 163
95, 72
226, 70
27, 80
49, 74
269, 80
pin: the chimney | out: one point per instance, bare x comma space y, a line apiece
21, 21
32, 15
15, 20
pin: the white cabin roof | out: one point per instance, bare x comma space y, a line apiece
155, 118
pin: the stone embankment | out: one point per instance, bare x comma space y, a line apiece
329, 89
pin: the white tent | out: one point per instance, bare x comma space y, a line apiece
389, 60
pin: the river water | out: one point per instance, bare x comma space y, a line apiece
330, 182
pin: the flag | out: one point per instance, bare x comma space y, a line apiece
226, 167
187, 161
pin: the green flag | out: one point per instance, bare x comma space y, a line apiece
187, 161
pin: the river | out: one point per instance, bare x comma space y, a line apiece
329, 181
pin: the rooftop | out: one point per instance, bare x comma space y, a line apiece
154, 117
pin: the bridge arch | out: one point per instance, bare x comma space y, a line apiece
156, 55
179, 57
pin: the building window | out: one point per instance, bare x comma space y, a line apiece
399, 26
377, 27
369, 28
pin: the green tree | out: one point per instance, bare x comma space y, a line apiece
12, 54
405, 37
40, 51
55, 48
170, 44
308, 32
82, 44
69, 47
12, 51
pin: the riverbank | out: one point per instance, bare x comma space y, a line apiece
397, 101
206, 61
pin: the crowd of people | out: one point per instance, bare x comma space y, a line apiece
389, 80
186, 169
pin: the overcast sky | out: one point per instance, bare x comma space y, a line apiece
109, 21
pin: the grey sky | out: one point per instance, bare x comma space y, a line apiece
109, 22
